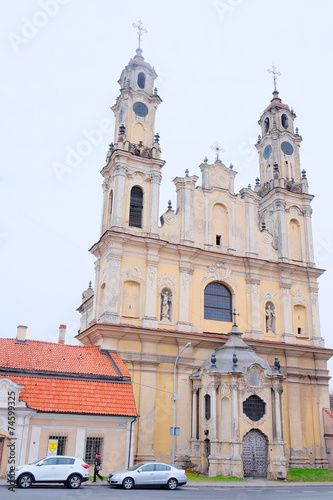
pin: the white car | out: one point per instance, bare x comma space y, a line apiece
71, 471
149, 474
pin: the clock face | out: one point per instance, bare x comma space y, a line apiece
121, 112
140, 109
267, 152
287, 148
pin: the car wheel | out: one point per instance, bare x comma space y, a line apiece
128, 483
74, 481
24, 481
172, 483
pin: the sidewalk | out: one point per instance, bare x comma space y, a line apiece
249, 483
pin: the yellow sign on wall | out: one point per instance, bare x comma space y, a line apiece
53, 447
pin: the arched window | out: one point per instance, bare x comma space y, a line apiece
266, 124
207, 407
141, 80
284, 121
136, 206
218, 302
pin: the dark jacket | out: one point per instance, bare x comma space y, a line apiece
98, 462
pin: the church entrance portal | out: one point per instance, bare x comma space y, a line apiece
255, 454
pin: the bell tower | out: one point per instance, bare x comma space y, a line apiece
284, 208
132, 172
278, 144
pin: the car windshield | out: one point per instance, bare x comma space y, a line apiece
36, 461
136, 466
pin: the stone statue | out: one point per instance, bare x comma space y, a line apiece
270, 318
166, 301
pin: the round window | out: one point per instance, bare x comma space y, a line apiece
254, 408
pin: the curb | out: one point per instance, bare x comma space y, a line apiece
251, 483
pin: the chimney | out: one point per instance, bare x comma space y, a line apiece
21, 333
62, 334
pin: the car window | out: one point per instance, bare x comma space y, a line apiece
162, 467
49, 461
148, 468
65, 461
135, 466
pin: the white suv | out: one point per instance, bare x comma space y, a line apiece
71, 471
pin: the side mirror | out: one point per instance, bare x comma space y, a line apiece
139, 470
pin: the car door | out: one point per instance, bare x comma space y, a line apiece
65, 466
145, 475
46, 470
162, 473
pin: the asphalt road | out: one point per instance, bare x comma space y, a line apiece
55, 492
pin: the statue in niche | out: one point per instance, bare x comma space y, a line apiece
270, 317
166, 302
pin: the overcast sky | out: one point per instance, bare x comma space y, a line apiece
61, 60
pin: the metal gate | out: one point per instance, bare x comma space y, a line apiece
254, 454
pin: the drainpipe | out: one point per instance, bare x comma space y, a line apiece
130, 441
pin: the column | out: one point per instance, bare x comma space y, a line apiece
251, 223
80, 442
150, 320
286, 310
111, 312
105, 187
235, 422
279, 206
183, 323
96, 291
34, 448
213, 411
153, 217
277, 389
194, 412
315, 335
253, 292
277, 467
120, 172
146, 410
297, 458
307, 212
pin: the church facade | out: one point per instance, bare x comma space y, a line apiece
250, 397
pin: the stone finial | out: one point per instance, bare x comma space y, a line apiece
122, 129
249, 186
277, 364
263, 225
276, 167
111, 146
303, 174
169, 205
90, 285
187, 172
231, 166
259, 138
297, 133
205, 159
257, 181
157, 137
213, 360
155, 91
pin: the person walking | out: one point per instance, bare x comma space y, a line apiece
97, 467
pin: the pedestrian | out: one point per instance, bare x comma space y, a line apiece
97, 467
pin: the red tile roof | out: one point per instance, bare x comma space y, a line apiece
329, 413
42, 356
76, 396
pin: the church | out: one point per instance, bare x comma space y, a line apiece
213, 306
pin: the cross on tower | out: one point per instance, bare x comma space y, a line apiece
275, 74
216, 147
234, 315
141, 29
